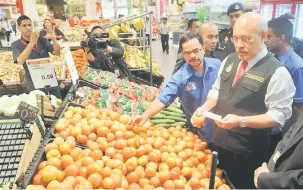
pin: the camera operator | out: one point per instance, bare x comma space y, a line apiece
95, 55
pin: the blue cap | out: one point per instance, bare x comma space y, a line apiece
235, 7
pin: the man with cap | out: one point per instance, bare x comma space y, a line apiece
226, 46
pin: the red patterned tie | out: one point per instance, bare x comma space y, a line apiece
240, 72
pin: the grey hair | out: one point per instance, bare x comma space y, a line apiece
261, 25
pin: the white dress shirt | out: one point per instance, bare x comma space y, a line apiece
279, 94
164, 28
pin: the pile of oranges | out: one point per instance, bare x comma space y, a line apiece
120, 155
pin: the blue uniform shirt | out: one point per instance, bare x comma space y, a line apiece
294, 64
192, 88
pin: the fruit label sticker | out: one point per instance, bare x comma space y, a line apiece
42, 72
212, 116
71, 64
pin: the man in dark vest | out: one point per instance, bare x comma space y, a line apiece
253, 93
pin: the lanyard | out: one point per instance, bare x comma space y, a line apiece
26, 44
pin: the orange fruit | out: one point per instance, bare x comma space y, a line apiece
53, 185
96, 180
85, 184
93, 146
94, 168
143, 182
120, 144
124, 119
81, 139
83, 171
92, 136
85, 130
58, 140
154, 156
175, 173
194, 183
50, 146
171, 162
42, 165
117, 178
114, 116
134, 186
169, 184
87, 160
154, 181
132, 177
150, 172
71, 170
71, 180
76, 153
54, 161
49, 173
131, 164
110, 152
106, 171
66, 160
186, 171
37, 180
108, 183
110, 137
60, 176
119, 135
53, 153
179, 184
96, 154
127, 153
64, 148
164, 176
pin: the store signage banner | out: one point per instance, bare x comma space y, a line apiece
42, 72
70, 64
163, 6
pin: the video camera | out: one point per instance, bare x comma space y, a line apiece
96, 41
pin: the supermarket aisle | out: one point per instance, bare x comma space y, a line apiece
165, 61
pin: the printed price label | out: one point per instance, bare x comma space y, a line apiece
42, 74
70, 64
26, 112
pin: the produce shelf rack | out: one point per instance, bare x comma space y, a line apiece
141, 32
12, 141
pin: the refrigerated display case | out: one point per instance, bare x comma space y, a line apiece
282, 9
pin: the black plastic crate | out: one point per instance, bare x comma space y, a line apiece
38, 158
12, 141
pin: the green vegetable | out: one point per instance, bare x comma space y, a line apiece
159, 116
162, 121
173, 109
178, 124
163, 125
168, 113
180, 119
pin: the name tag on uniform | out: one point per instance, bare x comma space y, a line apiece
276, 156
191, 86
254, 77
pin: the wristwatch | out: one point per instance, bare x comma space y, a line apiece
243, 122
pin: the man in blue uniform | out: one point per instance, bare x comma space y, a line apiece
191, 83
226, 46
279, 37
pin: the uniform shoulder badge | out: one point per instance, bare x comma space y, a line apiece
229, 67
226, 39
237, 7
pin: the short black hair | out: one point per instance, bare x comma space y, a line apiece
189, 36
282, 26
22, 18
191, 21
96, 27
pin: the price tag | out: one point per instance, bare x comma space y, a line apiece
42, 73
70, 64
26, 112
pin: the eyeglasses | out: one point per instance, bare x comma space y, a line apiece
244, 40
195, 51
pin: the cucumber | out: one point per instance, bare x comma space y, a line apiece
159, 116
172, 109
168, 113
163, 125
163, 121
178, 124
178, 119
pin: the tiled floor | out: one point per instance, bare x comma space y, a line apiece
165, 61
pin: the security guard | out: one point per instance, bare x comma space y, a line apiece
225, 45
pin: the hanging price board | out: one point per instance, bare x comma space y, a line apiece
70, 64
42, 73
26, 112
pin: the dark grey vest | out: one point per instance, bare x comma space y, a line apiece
245, 98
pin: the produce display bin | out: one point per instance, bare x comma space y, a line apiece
12, 141
38, 158
145, 75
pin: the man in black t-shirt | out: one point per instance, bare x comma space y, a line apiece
33, 46
48, 24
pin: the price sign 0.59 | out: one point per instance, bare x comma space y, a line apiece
26, 112
42, 74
